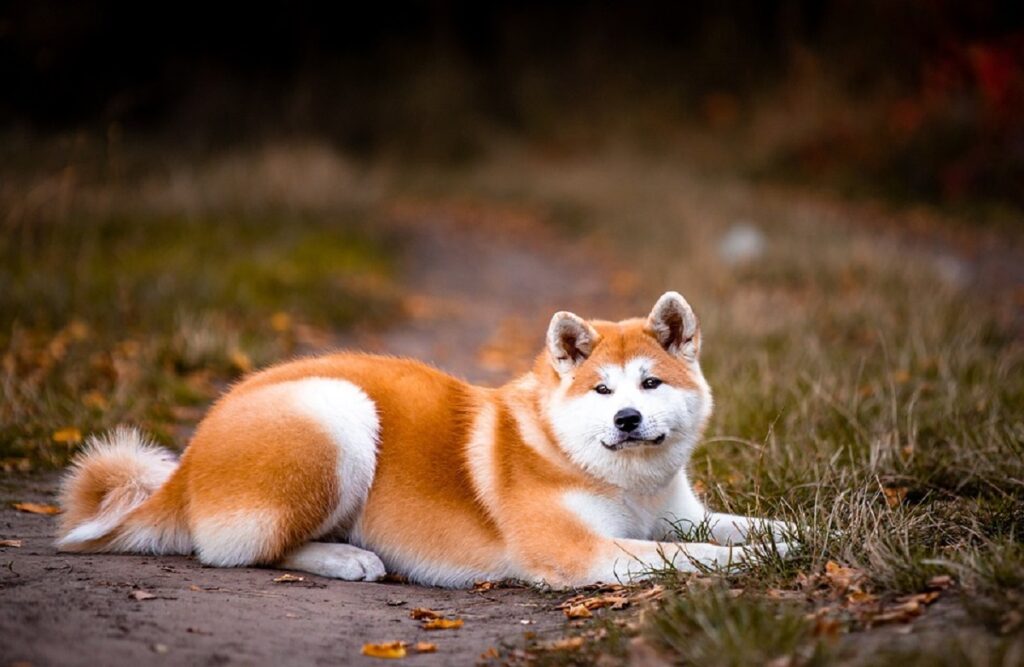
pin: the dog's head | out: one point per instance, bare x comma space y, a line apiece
627, 400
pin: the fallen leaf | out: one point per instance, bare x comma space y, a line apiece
11, 543
161, 648
385, 650
577, 611
425, 647
442, 624
940, 582
394, 602
653, 593
288, 579
482, 586
894, 495
420, 613
141, 595
69, 435
37, 508
842, 578
490, 654
567, 644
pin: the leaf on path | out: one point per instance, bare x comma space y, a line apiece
385, 650
141, 595
567, 644
482, 586
420, 613
11, 543
596, 602
577, 611
425, 647
288, 579
161, 648
69, 435
37, 508
843, 578
442, 624
394, 602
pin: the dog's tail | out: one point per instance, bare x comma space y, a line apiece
122, 494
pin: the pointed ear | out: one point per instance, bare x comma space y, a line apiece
570, 341
674, 325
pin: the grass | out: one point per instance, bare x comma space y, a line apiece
142, 312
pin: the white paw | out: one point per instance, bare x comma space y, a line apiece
335, 560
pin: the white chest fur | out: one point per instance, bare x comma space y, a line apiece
627, 515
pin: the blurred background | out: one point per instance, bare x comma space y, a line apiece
917, 100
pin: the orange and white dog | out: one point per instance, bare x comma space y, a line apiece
351, 466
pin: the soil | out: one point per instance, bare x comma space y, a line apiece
479, 302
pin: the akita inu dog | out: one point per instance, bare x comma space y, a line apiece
351, 466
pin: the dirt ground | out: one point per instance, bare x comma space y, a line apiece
469, 288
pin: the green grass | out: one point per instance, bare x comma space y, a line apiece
111, 318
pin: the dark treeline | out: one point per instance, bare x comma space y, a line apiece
436, 76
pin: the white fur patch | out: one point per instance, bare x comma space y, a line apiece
349, 418
335, 560
480, 452
632, 515
234, 539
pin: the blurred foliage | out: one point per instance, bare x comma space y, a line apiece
908, 99
143, 319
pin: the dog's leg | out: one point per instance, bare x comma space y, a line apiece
686, 511
335, 560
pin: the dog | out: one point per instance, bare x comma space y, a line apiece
355, 466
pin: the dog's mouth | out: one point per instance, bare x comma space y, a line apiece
629, 443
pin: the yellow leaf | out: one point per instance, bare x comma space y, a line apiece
577, 611
425, 647
11, 543
443, 624
37, 508
288, 579
385, 650
69, 435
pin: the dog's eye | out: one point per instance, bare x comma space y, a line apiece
651, 383
602, 389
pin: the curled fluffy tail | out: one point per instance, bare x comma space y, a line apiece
119, 495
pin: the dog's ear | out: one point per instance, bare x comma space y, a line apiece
570, 341
674, 325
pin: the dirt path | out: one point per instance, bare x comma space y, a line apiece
479, 299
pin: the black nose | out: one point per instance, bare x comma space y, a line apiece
627, 419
